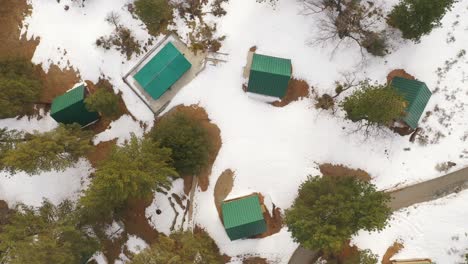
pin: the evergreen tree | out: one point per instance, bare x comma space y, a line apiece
104, 102
329, 210
416, 18
19, 88
134, 170
379, 105
181, 247
188, 140
54, 150
154, 13
51, 234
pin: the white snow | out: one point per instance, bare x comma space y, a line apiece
99, 258
121, 129
135, 244
273, 149
54, 186
40, 124
163, 222
437, 230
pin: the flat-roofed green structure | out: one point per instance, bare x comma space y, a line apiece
70, 108
243, 217
269, 75
162, 71
416, 94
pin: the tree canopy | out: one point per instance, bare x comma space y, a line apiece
50, 234
103, 101
133, 170
154, 13
378, 104
329, 210
37, 152
416, 18
181, 247
187, 138
19, 87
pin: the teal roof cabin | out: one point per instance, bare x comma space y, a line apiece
416, 94
70, 107
162, 71
243, 217
269, 75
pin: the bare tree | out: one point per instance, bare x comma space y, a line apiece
344, 20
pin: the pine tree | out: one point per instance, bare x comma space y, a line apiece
416, 18
134, 170
181, 247
104, 102
51, 234
378, 104
329, 210
19, 88
154, 13
188, 140
54, 150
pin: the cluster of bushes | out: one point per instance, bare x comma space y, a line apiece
121, 39
20, 87
105, 102
178, 145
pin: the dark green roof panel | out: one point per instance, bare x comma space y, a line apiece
67, 99
70, 108
416, 94
243, 217
269, 75
162, 71
273, 65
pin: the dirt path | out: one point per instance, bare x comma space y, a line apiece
418, 193
429, 190
222, 188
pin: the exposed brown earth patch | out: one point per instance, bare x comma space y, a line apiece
198, 113
329, 169
12, 13
391, 251
111, 248
399, 73
136, 222
222, 188
55, 81
297, 89
274, 221
255, 260
188, 181
100, 152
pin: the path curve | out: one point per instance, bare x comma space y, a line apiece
404, 197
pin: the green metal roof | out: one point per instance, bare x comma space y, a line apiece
416, 94
70, 108
162, 71
271, 65
243, 217
241, 211
67, 99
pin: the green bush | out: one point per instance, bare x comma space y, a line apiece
181, 247
378, 104
19, 87
416, 18
132, 171
156, 14
104, 102
57, 149
329, 210
188, 140
49, 234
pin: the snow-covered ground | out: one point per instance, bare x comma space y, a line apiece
273, 149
